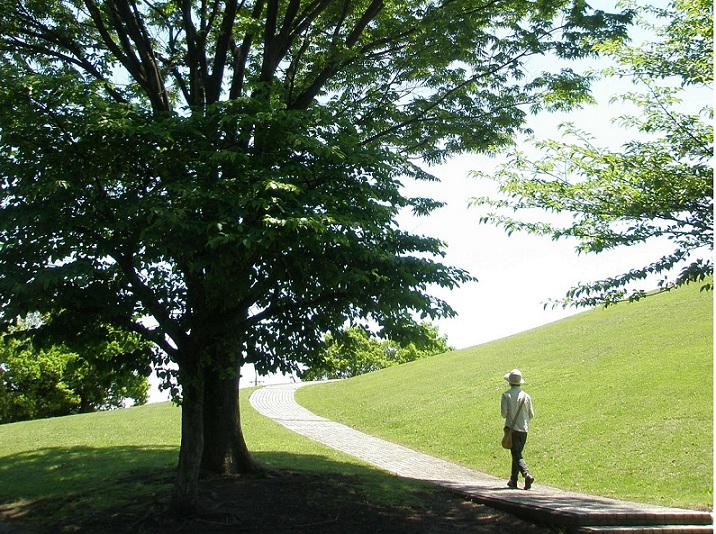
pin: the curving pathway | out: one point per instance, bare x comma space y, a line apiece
542, 504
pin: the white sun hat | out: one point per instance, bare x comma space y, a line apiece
514, 377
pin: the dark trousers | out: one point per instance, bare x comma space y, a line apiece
518, 464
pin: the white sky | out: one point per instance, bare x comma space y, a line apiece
516, 274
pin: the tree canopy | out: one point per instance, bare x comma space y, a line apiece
223, 177
660, 184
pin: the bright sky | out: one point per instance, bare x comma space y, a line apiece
516, 274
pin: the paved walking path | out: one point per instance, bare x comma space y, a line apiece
542, 504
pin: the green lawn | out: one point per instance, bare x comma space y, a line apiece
624, 401
57, 472
623, 397
49, 458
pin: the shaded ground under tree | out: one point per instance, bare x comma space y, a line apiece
295, 502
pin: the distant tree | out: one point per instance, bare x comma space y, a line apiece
224, 177
32, 383
659, 184
112, 365
354, 351
53, 380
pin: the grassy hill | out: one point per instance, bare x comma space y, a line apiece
113, 472
624, 401
623, 398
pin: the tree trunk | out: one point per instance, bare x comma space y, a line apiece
225, 450
86, 405
184, 501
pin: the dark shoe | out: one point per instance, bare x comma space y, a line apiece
512, 484
529, 479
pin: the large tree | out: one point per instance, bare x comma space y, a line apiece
222, 176
659, 184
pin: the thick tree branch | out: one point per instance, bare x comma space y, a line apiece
135, 50
241, 55
156, 336
271, 43
145, 46
128, 59
150, 300
194, 53
222, 50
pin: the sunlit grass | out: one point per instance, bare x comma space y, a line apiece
60, 472
52, 457
624, 409
623, 395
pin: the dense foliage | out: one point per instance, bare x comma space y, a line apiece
660, 184
89, 374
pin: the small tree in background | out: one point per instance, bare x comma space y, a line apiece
32, 383
354, 351
50, 380
659, 184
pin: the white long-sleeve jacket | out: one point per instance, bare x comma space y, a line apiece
509, 405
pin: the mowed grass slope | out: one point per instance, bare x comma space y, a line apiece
623, 398
51, 458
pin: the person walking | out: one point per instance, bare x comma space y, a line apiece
517, 409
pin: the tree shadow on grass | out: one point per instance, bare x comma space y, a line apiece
127, 489
55, 489
56, 472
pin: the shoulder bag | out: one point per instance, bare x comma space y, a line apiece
507, 438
